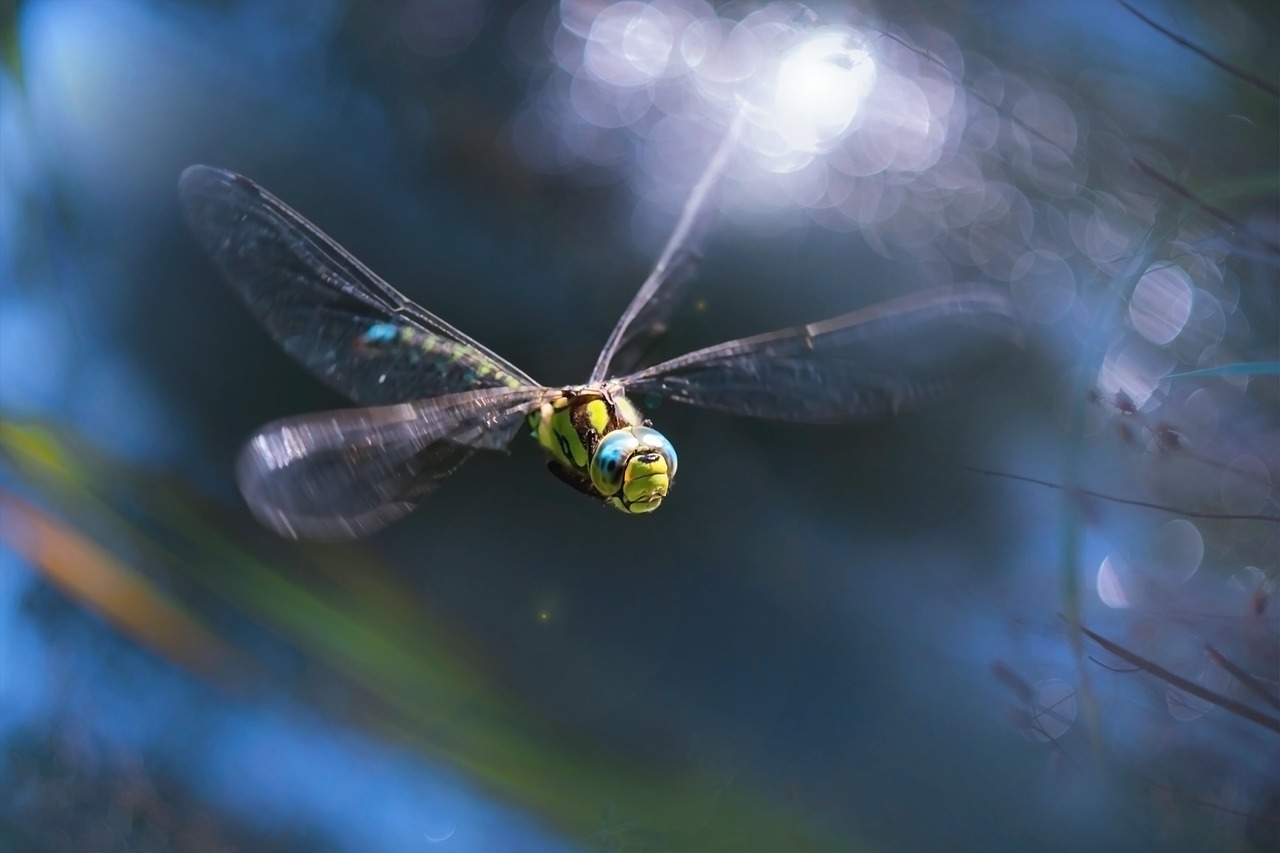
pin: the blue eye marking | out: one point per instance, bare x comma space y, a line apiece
611, 458
381, 333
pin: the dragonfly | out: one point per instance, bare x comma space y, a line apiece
430, 397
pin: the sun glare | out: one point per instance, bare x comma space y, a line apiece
821, 84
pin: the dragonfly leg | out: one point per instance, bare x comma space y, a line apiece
576, 483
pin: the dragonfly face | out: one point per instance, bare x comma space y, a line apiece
600, 445
634, 468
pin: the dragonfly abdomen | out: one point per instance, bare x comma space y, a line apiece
458, 364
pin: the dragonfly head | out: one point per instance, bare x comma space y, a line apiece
633, 468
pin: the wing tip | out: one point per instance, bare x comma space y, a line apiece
198, 177
252, 474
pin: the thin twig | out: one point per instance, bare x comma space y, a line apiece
959, 81
1237, 708
1212, 210
1217, 516
1247, 76
1199, 802
1162, 433
1243, 677
1114, 668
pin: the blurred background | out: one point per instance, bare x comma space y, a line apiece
854, 638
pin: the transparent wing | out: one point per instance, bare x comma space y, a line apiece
647, 316
325, 308
348, 473
860, 365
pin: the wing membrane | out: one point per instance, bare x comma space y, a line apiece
325, 308
647, 316
860, 365
348, 473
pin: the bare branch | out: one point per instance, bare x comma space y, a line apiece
1240, 710
1247, 76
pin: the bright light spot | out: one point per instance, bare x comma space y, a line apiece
1205, 327
1161, 303
539, 624
629, 44
1257, 589
902, 127
1177, 550
699, 40
1110, 586
1105, 237
1134, 371
439, 825
821, 84
440, 839
856, 131
1247, 579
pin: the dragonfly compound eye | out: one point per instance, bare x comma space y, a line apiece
656, 441
609, 465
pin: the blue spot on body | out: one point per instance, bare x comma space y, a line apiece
381, 333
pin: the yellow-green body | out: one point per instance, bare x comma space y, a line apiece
638, 466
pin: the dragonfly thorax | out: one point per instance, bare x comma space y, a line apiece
599, 444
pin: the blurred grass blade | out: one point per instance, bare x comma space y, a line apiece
87, 572
410, 677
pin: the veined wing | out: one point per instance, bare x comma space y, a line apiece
647, 316
325, 308
860, 365
348, 473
